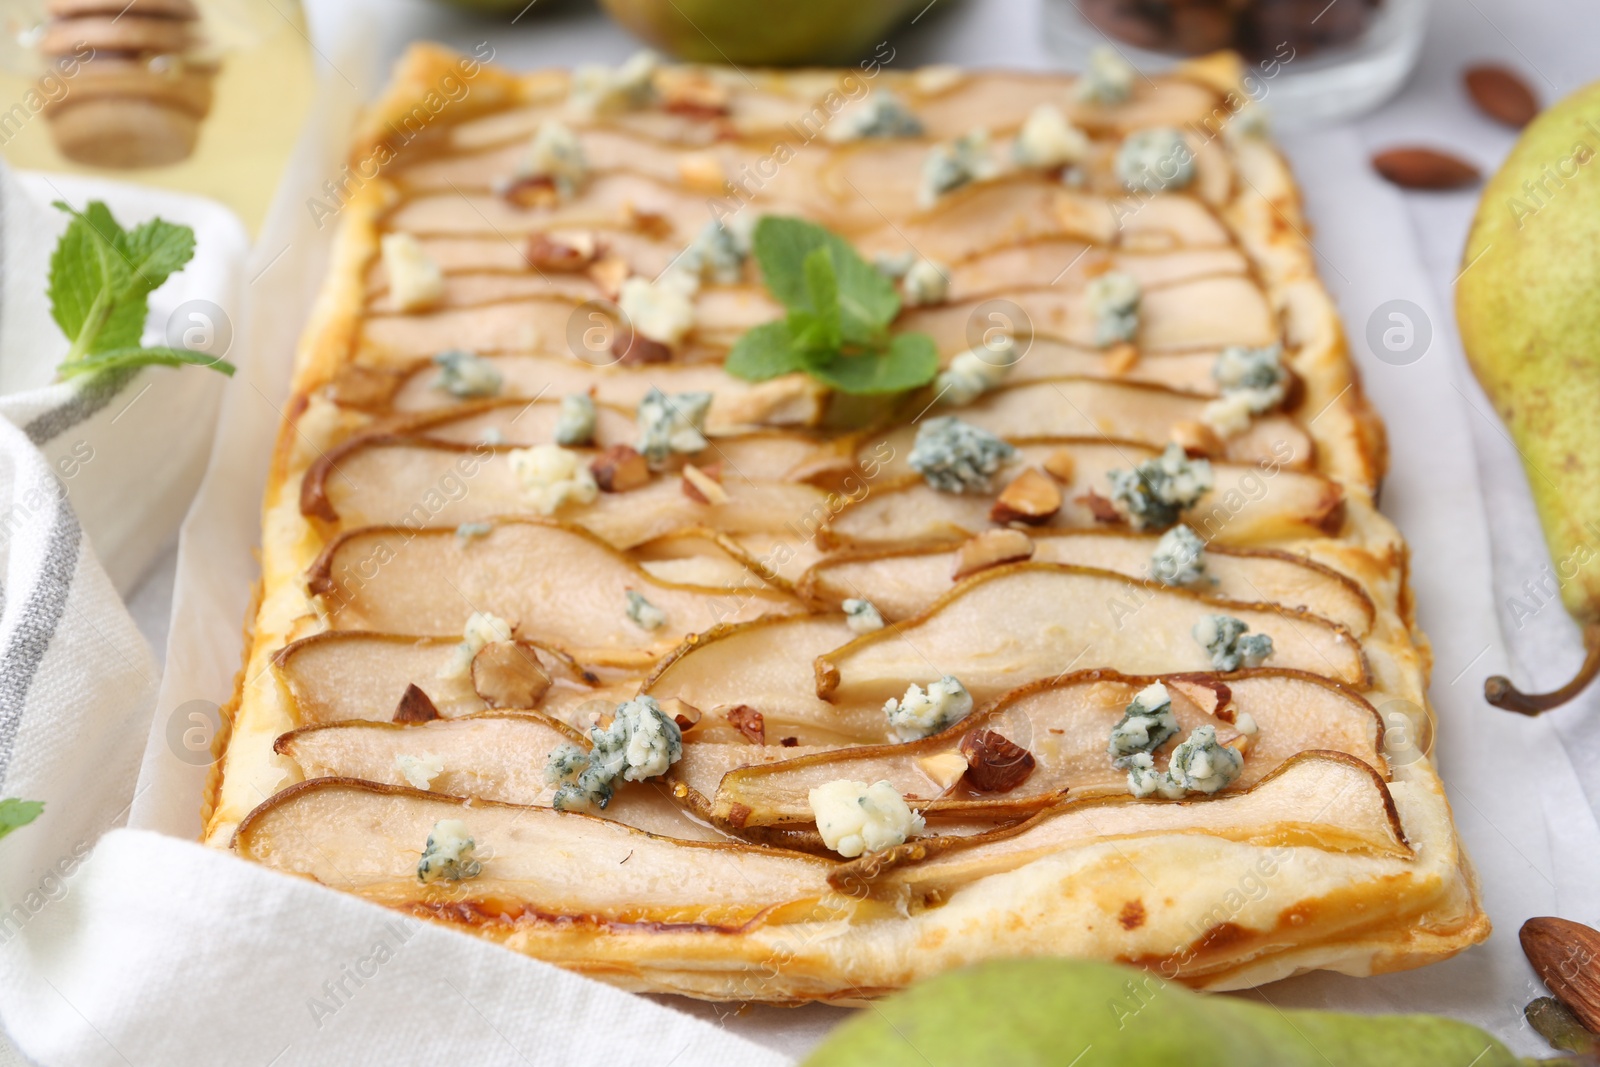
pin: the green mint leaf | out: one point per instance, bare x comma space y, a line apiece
87, 270
134, 356
156, 250
911, 360
867, 300
15, 814
764, 352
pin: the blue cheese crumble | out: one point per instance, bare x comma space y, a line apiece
894, 264
1202, 764
643, 614
1144, 780
471, 531
919, 714
448, 853
1047, 141
466, 374
642, 741
601, 90
1229, 646
974, 372
1179, 558
951, 166
671, 424
854, 817
925, 282
1155, 492
881, 114
575, 421
957, 457
1114, 302
481, 629
1252, 381
554, 155
1145, 726
662, 310
861, 616
1108, 79
717, 253
419, 771
415, 280
1154, 160
550, 476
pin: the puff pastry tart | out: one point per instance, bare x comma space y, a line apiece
751, 687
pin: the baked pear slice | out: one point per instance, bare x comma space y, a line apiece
366, 838
1320, 800
903, 582
557, 585
1014, 624
1064, 726
1073, 263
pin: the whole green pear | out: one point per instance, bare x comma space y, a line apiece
771, 33
1056, 1013
1528, 304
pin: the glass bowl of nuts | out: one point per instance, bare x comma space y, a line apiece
1307, 61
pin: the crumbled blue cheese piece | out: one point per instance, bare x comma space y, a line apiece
881, 114
575, 421
421, 770
854, 817
415, 280
645, 615
717, 253
471, 531
1229, 646
974, 372
1145, 780
494, 435
1201, 764
861, 616
957, 457
642, 741
950, 166
926, 282
1108, 79
600, 90
1145, 726
1179, 558
554, 155
671, 424
894, 264
1114, 302
550, 476
466, 374
482, 629
448, 853
662, 310
1155, 492
1245, 723
1047, 140
1155, 160
919, 714
1252, 381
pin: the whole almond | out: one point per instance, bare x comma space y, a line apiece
1502, 94
1413, 167
1566, 955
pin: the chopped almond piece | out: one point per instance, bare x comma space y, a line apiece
1061, 466
750, 722
531, 192
364, 388
789, 742
508, 674
1120, 359
609, 272
994, 764
1031, 497
1197, 439
650, 223
989, 549
1102, 508
564, 253
415, 706
691, 91
683, 713
702, 486
619, 469
944, 769
702, 171
635, 348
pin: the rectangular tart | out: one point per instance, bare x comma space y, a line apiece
745, 688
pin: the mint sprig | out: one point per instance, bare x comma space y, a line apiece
15, 814
839, 311
101, 278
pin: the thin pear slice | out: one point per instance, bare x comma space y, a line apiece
480, 289
791, 400
1002, 100
416, 481
1007, 626
1248, 503
905, 582
705, 763
1322, 800
512, 421
494, 254
366, 838
556, 584
767, 665
606, 198
495, 755
1065, 725
341, 676
702, 556
1073, 263
1048, 358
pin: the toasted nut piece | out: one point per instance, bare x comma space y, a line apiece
1120, 359
415, 706
944, 769
635, 348
691, 91
609, 272
1110, 694
619, 469
995, 765
1102, 508
531, 192
1212, 697
989, 549
1196, 438
789, 742
749, 721
703, 486
1031, 497
1566, 955
561, 253
1412, 167
683, 713
702, 171
363, 388
1502, 94
508, 674
1061, 466
650, 223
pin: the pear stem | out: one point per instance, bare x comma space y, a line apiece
1499, 691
